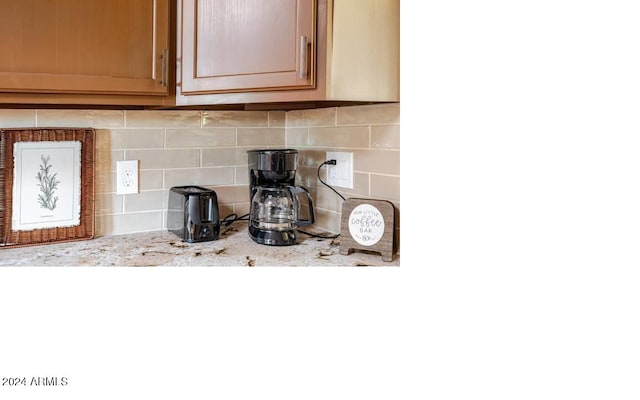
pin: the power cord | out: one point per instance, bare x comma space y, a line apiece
231, 218
328, 162
315, 235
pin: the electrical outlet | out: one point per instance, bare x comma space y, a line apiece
127, 177
341, 174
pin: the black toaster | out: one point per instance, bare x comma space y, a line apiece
192, 213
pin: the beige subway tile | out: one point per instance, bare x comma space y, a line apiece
105, 182
102, 183
261, 136
10, 118
369, 114
118, 224
198, 176
297, 137
137, 138
108, 203
145, 201
326, 199
102, 140
80, 118
163, 119
385, 136
213, 137
151, 179
235, 118
385, 187
104, 225
223, 211
349, 136
232, 194
241, 175
224, 157
158, 159
311, 157
277, 118
360, 185
105, 161
312, 117
306, 176
241, 208
377, 161
327, 220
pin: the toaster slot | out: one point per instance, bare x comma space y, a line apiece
206, 209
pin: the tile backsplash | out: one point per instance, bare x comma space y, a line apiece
208, 148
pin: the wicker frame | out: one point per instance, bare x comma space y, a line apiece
83, 231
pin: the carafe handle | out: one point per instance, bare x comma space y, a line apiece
304, 222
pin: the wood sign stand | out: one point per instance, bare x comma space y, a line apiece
368, 224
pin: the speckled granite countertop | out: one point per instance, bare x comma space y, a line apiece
162, 248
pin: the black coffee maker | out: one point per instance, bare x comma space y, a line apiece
275, 200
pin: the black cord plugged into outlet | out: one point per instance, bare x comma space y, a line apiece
328, 162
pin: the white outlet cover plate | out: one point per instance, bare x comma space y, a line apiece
127, 177
341, 174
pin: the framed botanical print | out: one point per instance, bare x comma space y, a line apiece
47, 192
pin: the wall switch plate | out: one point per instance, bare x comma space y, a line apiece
127, 177
341, 174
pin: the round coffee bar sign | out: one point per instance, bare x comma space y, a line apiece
366, 224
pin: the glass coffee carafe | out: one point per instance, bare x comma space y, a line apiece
275, 214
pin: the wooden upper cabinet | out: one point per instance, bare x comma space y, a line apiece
247, 45
167, 53
84, 47
275, 51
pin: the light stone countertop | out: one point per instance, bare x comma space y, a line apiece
162, 248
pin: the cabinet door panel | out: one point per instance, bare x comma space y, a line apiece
240, 45
83, 46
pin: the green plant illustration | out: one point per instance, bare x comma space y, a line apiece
48, 184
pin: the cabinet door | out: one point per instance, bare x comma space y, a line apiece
247, 45
84, 46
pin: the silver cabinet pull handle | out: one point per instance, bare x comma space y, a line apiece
303, 57
164, 80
